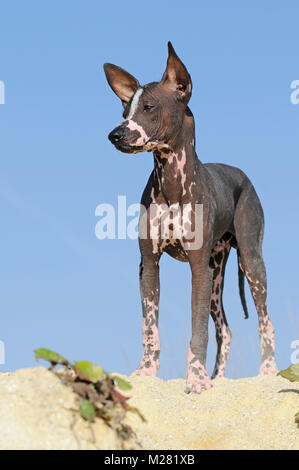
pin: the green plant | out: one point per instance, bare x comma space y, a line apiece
96, 390
292, 374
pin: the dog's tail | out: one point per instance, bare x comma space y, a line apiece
241, 287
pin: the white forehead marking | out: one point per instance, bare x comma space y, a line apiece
135, 102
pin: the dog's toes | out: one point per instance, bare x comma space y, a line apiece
197, 379
198, 389
135, 373
149, 370
197, 385
197, 392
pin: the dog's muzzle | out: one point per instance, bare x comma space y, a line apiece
125, 140
116, 135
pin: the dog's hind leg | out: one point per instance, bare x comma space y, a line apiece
249, 226
218, 261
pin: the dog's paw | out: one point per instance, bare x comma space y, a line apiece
197, 379
147, 368
268, 367
218, 374
197, 382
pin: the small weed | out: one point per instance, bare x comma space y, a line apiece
96, 390
292, 374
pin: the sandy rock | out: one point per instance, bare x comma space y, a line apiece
252, 413
36, 413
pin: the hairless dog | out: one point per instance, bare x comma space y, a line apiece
157, 118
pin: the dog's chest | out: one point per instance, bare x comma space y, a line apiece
168, 228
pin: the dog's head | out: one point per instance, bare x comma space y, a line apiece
153, 113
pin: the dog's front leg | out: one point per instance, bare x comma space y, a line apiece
198, 379
150, 292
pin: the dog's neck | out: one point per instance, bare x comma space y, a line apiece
177, 165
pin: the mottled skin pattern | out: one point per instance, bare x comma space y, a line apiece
149, 288
157, 118
223, 334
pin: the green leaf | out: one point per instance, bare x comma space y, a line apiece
121, 383
87, 410
292, 373
297, 419
51, 356
88, 371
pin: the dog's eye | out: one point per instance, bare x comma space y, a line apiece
147, 108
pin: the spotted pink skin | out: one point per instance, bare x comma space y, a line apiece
151, 371
222, 357
266, 329
268, 367
266, 332
223, 334
197, 379
143, 139
150, 363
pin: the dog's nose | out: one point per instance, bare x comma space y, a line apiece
116, 135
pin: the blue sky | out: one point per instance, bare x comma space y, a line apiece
61, 287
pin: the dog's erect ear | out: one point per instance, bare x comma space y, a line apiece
176, 76
122, 83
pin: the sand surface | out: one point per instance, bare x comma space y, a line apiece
252, 413
37, 412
